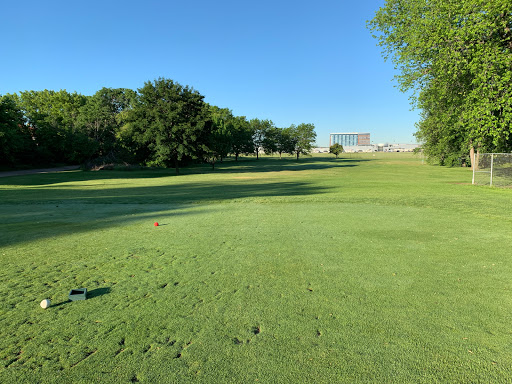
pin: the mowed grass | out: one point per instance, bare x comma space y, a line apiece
362, 269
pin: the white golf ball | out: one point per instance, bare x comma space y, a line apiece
45, 303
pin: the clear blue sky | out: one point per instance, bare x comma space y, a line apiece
289, 61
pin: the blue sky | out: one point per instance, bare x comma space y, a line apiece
288, 61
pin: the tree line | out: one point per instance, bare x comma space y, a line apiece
457, 58
162, 124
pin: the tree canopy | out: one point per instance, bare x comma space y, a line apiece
261, 129
455, 56
52, 117
16, 144
103, 115
161, 124
171, 120
242, 137
303, 137
336, 149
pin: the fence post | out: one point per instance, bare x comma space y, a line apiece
492, 163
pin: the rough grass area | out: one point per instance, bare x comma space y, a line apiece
361, 269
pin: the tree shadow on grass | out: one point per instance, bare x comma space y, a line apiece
47, 211
229, 165
79, 175
273, 164
45, 205
171, 194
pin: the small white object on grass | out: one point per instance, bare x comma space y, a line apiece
45, 303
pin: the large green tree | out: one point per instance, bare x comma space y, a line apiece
284, 141
242, 137
260, 129
16, 144
269, 143
220, 139
456, 57
102, 117
52, 117
303, 137
171, 121
336, 149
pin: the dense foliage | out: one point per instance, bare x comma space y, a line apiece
161, 124
170, 121
336, 149
16, 144
302, 138
456, 56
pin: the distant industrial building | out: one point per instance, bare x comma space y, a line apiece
360, 142
349, 139
385, 147
381, 147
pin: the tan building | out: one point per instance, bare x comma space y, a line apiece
363, 139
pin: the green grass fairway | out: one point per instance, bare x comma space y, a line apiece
362, 269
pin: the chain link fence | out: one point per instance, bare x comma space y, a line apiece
494, 169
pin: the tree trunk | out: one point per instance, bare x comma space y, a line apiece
236, 156
472, 158
280, 155
176, 166
257, 152
298, 155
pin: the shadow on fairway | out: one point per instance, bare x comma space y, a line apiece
79, 175
90, 295
40, 212
170, 194
49, 207
229, 165
61, 303
267, 164
97, 292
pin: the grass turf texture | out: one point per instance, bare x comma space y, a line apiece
361, 269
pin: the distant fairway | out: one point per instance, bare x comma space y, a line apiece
362, 269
